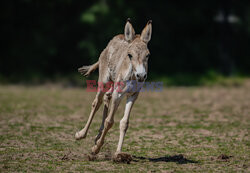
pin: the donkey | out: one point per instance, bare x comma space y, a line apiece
124, 59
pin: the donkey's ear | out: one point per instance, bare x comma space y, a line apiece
147, 32
129, 31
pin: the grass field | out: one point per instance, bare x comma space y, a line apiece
193, 129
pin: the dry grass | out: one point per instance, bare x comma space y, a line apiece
202, 129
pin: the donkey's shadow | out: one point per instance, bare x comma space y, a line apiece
179, 159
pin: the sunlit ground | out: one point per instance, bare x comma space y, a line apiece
203, 129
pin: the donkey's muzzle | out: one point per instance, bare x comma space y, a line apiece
141, 76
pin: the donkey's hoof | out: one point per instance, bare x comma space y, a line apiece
122, 158
79, 136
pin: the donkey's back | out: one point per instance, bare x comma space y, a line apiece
110, 59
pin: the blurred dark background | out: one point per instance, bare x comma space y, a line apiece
44, 39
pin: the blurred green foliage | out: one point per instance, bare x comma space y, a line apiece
47, 39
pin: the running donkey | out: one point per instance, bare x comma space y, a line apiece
125, 58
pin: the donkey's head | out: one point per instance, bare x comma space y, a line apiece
138, 52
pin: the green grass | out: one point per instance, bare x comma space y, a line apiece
182, 129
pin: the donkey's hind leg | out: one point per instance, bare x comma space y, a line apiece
106, 100
95, 106
116, 99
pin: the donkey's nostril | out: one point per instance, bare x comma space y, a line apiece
141, 76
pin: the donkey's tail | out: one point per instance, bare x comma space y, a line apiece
86, 70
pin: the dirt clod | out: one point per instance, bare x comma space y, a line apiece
122, 158
224, 157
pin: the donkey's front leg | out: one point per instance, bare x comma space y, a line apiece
125, 120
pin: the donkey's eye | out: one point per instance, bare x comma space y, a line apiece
130, 56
